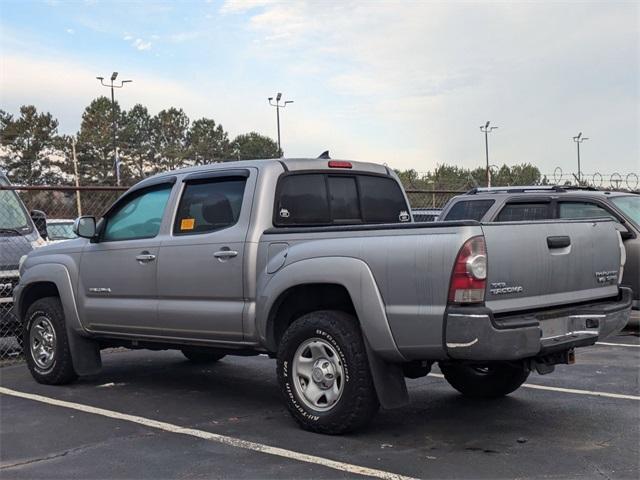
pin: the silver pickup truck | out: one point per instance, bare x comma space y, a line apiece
317, 262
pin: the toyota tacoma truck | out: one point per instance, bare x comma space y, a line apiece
317, 262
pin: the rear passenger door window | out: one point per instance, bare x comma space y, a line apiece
525, 212
469, 210
209, 205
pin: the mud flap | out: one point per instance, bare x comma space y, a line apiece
388, 379
85, 353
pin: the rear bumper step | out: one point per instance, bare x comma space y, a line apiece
473, 333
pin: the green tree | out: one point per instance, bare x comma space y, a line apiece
137, 145
208, 142
252, 145
169, 137
95, 143
29, 142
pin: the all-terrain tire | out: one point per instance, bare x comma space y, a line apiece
58, 370
201, 355
486, 381
340, 333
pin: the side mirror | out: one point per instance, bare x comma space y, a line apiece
40, 221
85, 227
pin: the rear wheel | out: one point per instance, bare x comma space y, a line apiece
485, 381
202, 355
324, 375
46, 346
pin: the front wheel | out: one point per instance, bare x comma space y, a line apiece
324, 375
485, 381
46, 346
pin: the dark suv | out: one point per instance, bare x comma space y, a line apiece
539, 203
20, 232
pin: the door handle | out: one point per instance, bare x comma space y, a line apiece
224, 254
145, 257
558, 242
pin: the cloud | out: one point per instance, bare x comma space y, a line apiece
241, 6
70, 86
70, 31
405, 83
141, 45
184, 36
427, 74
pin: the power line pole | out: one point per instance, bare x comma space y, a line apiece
75, 172
278, 106
579, 139
116, 160
487, 130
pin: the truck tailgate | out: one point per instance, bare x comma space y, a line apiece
538, 265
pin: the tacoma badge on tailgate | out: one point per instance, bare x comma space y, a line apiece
501, 288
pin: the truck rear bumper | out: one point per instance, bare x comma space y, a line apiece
474, 333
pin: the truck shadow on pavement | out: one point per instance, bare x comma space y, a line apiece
245, 389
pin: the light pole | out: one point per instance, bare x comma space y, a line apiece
116, 160
487, 130
579, 139
278, 106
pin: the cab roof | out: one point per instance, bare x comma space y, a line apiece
287, 164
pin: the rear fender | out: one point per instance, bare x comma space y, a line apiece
355, 276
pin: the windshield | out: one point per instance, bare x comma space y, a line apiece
630, 206
12, 213
60, 231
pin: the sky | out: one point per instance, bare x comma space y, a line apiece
406, 83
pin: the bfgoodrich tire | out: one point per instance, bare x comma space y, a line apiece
201, 355
45, 342
324, 375
485, 381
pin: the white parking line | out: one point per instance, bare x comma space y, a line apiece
618, 344
223, 439
568, 390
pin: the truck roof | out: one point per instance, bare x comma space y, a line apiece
290, 164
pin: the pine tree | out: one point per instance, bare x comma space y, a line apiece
29, 142
252, 145
208, 142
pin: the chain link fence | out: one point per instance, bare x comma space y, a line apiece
23, 228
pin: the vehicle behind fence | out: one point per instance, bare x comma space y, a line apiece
18, 205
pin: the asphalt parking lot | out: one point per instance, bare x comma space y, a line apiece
155, 415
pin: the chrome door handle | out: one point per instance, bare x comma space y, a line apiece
145, 258
226, 254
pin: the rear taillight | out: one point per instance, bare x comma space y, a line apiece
469, 277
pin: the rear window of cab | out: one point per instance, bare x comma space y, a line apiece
317, 199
